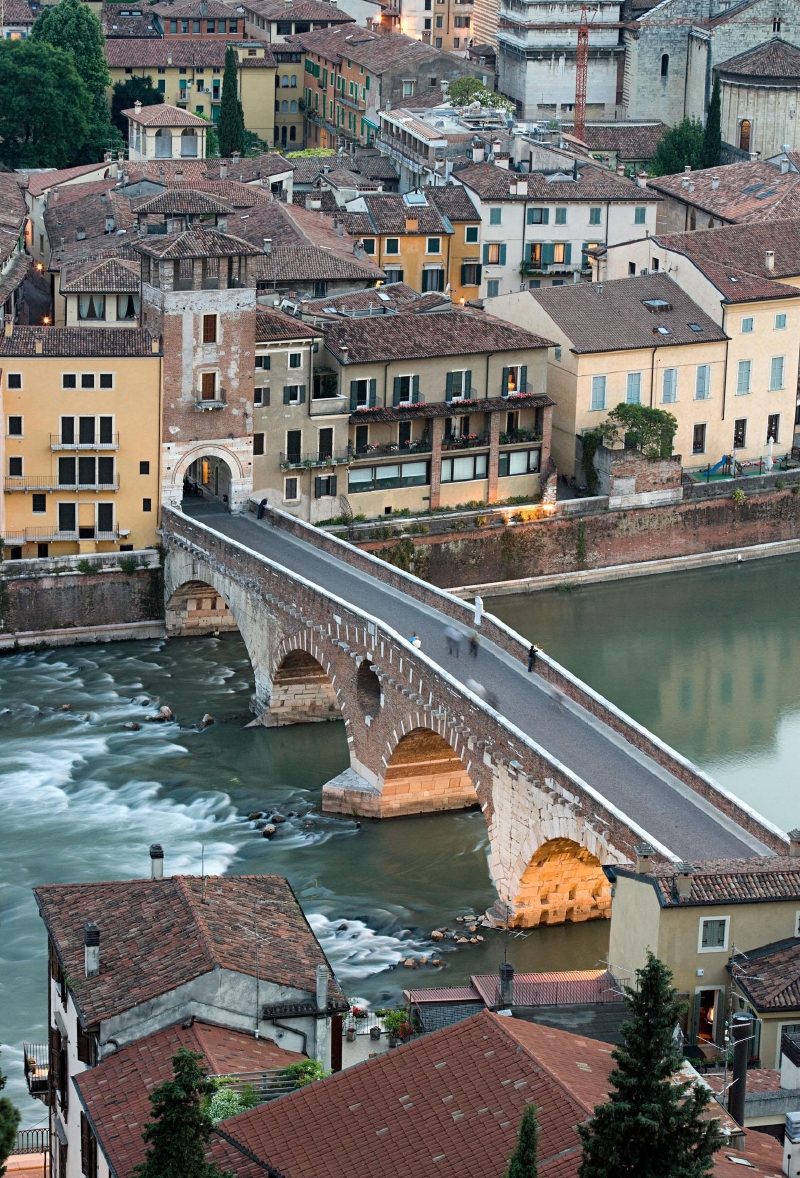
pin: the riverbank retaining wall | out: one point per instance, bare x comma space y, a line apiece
556, 545
42, 600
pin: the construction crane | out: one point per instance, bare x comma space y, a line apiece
581, 70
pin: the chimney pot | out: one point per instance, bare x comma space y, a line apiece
715, 182
644, 856
223, 171
769, 259
687, 167
38, 347
267, 245
156, 861
137, 107
9, 326
598, 288
794, 835
322, 987
683, 880
506, 989
91, 950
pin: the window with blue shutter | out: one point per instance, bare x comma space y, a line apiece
373, 392
504, 386
397, 394
468, 383
547, 253
568, 253
502, 255
486, 255
448, 388
415, 390
523, 379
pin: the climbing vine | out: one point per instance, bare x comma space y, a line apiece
591, 441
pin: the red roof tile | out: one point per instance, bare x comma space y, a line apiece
770, 976
39, 182
275, 325
727, 881
140, 52
733, 257
78, 343
751, 191
164, 115
775, 59
593, 183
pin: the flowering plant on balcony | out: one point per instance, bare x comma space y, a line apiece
367, 408
359, 1013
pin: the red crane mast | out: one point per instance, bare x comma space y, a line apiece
582, 64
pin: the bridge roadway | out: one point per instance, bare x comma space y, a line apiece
659, 803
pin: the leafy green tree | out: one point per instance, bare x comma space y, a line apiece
680, 146
523, 1162
651, 1126
126, 93
178, 1135
9, 1123
230, 128
649, 430
712, 136
462, 91
43, 121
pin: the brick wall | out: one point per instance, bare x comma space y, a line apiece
70, 600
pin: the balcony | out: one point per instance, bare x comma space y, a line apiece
325, 406
391, 449
55, 535
59, 442
415, 161
467, 442
48, 483
335, 458
519, 435
218, 401
37, 1070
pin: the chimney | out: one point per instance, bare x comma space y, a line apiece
169, 59
120, 157
687, 167
235, 156
598, 288
38, 347
644, 858
478, 153
321, 1024
267, 246
691, 185
741, 1031
137, 107
340, 229
179, 175
506, 988
9, 326
769, 259
223, 171
107, 157
412, 224
343, 352
156, 861
521, 188
222, 223
683, 881
794, 835
91, 950
784, 165
715, 182
203, 8
641, 179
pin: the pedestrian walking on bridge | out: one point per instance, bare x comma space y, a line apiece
532, 653
454, 639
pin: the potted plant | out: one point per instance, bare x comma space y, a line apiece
397, 1024
351, 1033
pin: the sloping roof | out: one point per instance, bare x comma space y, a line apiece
447, 1105
202, 8
727, 881
612, 316
76, 220
346, 178
775, 59
378, 167
138, 22
733, 257
195, 243
115, 1094
375, 51
108, 276
140, 52
182, 200
308, 167
156, 935
388, 212
17, 12
164, 115
564, 988
298, 10
14, 276
634, 141
453, 201
305, 246
249, 170
745, 192
406, 336
276, 325
383, 300
593, 183
298, 263
39, 182
13, 213
770, 976
78, 343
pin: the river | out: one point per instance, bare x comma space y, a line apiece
709, 660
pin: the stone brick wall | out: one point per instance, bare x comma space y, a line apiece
64, 601
627, 472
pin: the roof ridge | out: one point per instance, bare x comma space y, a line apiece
204, 933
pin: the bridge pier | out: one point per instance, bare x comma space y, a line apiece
301, 693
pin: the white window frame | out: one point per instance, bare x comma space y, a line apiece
775, 388
472, 229
21, 433
391, 253
66, 388
14, 458
780, 326
723, 948
597, 408
260, 388
85, 388
628, 400
435, 253
674, 398
294, 367
296, 399
747, 325
460, 372
106, 388
706, 368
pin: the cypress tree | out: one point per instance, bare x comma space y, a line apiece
712, 135
230, 128
9, 1123
650, 1127
680, 146
177, 1137
523, 1162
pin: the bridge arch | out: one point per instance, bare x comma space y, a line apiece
303, 689
563, 881
425, 773
226, 475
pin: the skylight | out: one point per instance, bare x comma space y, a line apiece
663, 331
384, 297
696, 327
657, 304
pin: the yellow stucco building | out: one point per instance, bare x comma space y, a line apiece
81, 412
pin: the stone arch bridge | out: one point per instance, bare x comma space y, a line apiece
566, 782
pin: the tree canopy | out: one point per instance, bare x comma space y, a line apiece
524, 1161
230, 128
126, 93
712, 135
463, 91
680, 146
71, 25
176, 1139
43, 120
651, 1125
9, 1123
649, 430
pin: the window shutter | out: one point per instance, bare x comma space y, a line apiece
317, 488
448, 388
287, 393
478, 275
584, 251
302, 393
523, 378
502, 255
55, 1059
332, 482
353, 395
486, 255
463, 274
373, 392
547, 253
396, 394
528, 248
545, 216
265, 396
568, 253
415, 389
468, 383
504, 386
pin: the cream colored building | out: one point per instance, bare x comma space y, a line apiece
164, 132
702, 920
759, 92
745, 277
637, 341
81, 440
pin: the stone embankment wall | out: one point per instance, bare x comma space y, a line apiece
71, 593
550, 546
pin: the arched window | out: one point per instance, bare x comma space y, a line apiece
188, 142
285, 80
284, 107
294, 79
745, 128
163, 143
293, 133
283, 135
776, 24
664, 65
293, 107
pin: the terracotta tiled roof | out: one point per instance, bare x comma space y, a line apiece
384, 299
443, 994
140, 52
309, 167
345, 178
115, 1094
275, 325
375, 51
14, 276
758, 1080
17, 12
326, 198
109, 276
195, 243
76, 220
157, 935
13, 213
389, 213
297, 263
445, 408
733, 257
194, 8
565, 988
727, 881
452, 200
182, 200
775, 59
593, 183
377, 166
630, 141
770, 976
411, 337
305, 246
116, 25
610, 316
39, 182
78, 343
754, 191
299, 10
164, 115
